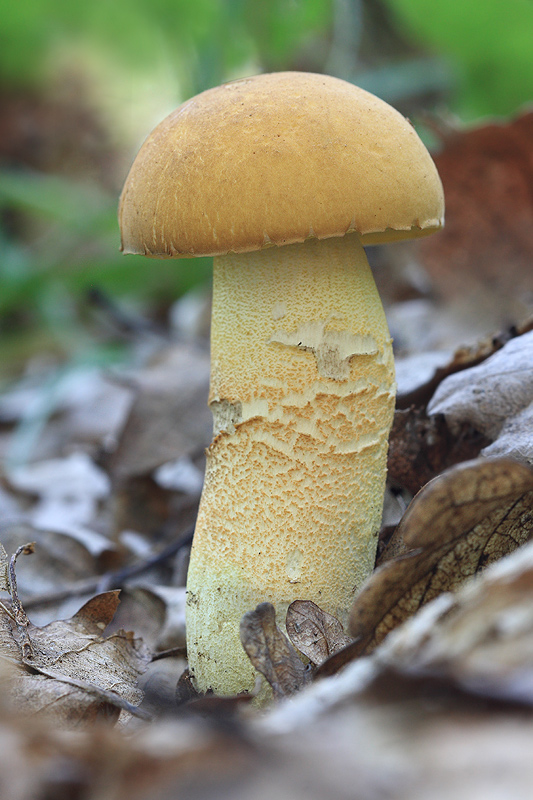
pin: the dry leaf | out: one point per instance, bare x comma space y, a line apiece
421, 447
468, 517
169, 418
486, 248
159, 611
169, 421
60, 561
70, 491
315, 633
85, 408
463, 358
496, 398
270, 651
481, 637
4, 561
185, 689
68, 670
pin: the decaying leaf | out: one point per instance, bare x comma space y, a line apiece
270, 651
481, 636
485, 249
463, 358
185, 689
169, 418
60, 560
158, 613
468, 517
67, 669
496, 398
421, 447
169, 422
315, 633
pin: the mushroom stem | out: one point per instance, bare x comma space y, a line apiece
302, 394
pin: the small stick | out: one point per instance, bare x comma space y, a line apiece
111, 580
21, 619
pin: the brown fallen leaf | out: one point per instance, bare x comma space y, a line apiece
66, 669
315, 633
481, 637
185, 689
467, 518
421, 447
463, 358
487, 174
4, 561
60, 560
81, 676
270, 651
169, 418
169, 421
495, 397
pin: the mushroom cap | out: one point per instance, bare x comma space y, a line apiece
277, 159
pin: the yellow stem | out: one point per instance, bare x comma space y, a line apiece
302, 393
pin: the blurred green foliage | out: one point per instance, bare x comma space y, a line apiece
488, 42
64, 238
203, 39
58, 232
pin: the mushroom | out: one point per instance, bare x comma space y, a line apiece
283, 178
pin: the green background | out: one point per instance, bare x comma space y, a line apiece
110, 69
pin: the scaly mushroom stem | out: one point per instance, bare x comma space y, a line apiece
302, 393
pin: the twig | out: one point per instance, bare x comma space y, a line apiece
111, 580
126, 322
173, 652
21, 620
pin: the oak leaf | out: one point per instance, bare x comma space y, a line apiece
67, 668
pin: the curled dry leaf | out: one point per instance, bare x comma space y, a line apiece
496, 398
463, 358
4, 583
468, 517
69, 671
316, 634
59, 562
270, 651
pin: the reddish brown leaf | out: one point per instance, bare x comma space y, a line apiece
486, 247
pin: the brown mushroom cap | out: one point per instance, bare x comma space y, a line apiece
277, 159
